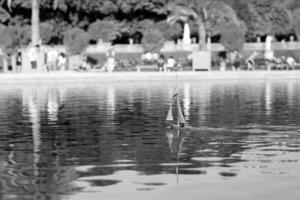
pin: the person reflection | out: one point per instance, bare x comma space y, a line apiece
53, 104
47, 176
176, 140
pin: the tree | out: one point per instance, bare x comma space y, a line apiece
4, 15
105, 30
253, 21
296, 21
35, 23
170, 31
35, 30
233, 37
35, 14
13, 37
276, 17
203, 12
76, 40
153, 40
154, 7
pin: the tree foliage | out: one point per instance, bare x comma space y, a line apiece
296, 21
233, 37
105, 30
153, 40
276, 17
14, 37
209, 16
76, 40
117, 20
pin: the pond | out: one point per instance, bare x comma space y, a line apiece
110, 141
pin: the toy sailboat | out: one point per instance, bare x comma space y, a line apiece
180, 117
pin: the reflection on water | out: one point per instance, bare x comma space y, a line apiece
108, 141
268, 98
187, 101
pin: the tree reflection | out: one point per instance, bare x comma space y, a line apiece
33, 169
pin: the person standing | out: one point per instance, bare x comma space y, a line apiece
235, 60
110, 55
19, 62
52, 56
161, 62
62, 61
33, 56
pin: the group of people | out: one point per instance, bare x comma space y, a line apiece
40, 59
235, 61
47, 59
169, 64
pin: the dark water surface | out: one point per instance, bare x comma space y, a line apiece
110, 141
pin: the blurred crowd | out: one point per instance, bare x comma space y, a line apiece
50, 59
255, 61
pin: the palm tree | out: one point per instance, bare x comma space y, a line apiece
205, 13
35, 20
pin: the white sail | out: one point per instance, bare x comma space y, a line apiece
180, 117
181, 120
170, 114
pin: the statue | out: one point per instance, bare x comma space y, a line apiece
186, 34
269, 53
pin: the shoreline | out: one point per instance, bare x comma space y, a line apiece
70, 76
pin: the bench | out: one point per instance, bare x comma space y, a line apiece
146, 68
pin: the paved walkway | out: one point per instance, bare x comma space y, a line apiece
146, 76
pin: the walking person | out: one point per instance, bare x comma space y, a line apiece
250, 61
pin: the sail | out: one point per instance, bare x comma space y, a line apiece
170, 114
181, 119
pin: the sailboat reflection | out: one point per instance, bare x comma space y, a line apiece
176, 140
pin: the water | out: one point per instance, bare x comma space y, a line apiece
110, 141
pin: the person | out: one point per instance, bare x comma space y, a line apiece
222, 64
250, 61
19, 61
235, 59
291, 62
86, 66
161, 62
9, 62
110, 64
62, 61
52, 56
171, 62
222, 60
33, 56
231, 59
180, 63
